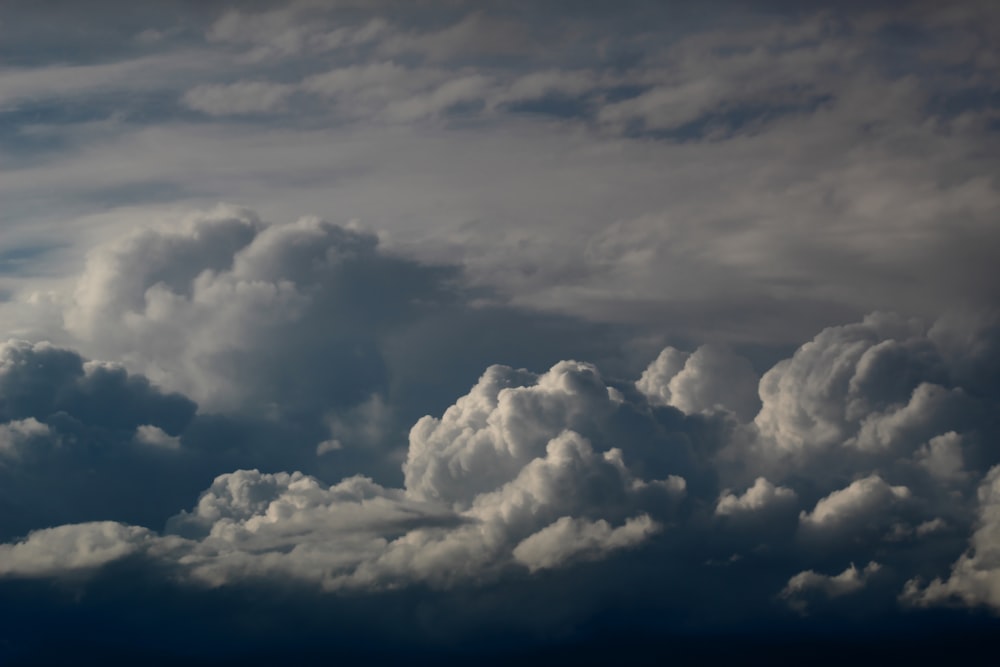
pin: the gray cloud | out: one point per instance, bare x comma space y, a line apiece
677, 238
572, 187
975, 577
556, 500
849, 581
546, 471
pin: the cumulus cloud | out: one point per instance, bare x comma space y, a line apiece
849, 581
236, 313
579, 538
154, 436
526, 490
975, 576
942, 457
40, 382
878, 395
530, 473
710, 378
18, 434
71, 548
607, 165
862, 503
759, 497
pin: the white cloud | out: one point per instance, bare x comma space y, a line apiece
569, 538
71, 548
536, 471
18, 433
225, 309
847, 582
526, 490
710, 378
709, 187
942, 457
759, 497
864, 502
507, 420
975, 576
154, 436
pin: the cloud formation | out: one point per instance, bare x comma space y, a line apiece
639, 318
538, 472
527, 490
194, 308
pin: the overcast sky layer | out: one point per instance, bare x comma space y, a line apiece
438, 330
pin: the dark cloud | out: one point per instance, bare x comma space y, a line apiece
528, 475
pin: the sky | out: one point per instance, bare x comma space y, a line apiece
445, 331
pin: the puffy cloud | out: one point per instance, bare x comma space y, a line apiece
849, 581
818, 397
531, 473
975, 576
759, 497
71, 548
18, 434
503, 479
154, 436
42, 381
506, 421
711, 377
877, 397
235, 313
865, 502
89, 429
942, 457
569, 538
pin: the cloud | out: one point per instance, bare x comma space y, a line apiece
289, 31
17, 434
569, 538
244, 97
527, 490
530, 475
711, 377
975, 576
154, 436
759, 497
39, 381
223, 308
847, 582
77, 437
942, 457
71, 549
477, 34
865, 396
863, 502
546, 187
